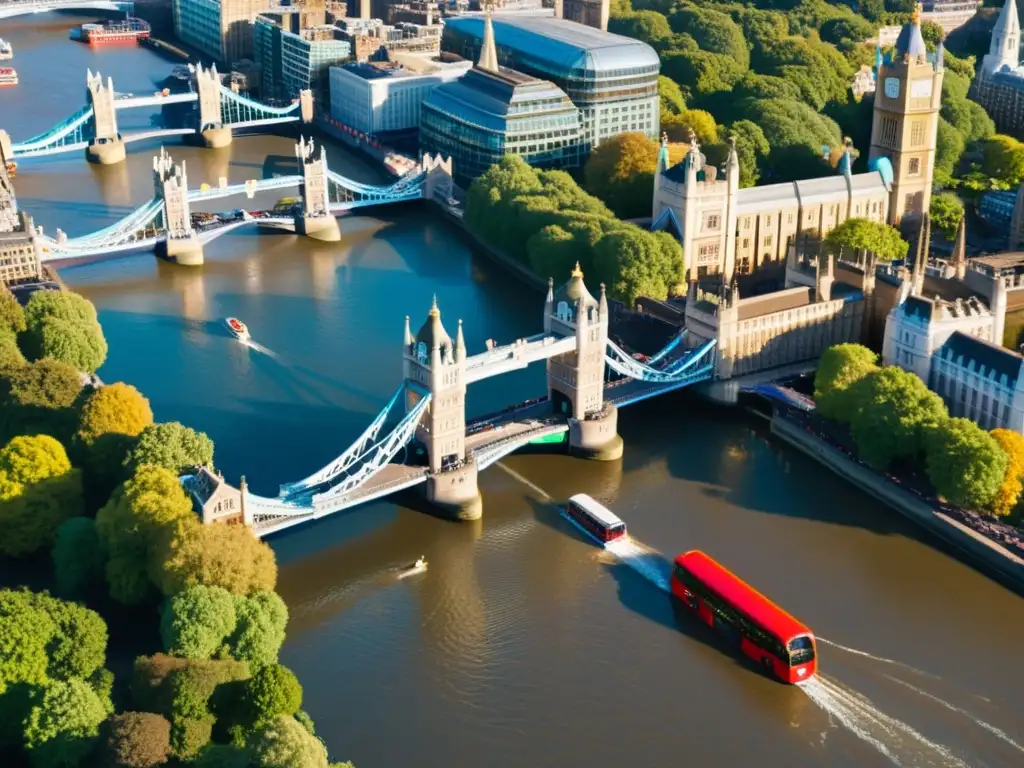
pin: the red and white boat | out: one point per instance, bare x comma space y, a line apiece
131, 30
8, 77
594, 519
238, 328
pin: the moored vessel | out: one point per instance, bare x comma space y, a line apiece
6, 50
594, 519
238, 328
8, 77
128, 31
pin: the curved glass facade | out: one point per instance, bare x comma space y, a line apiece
613, 80
486, 115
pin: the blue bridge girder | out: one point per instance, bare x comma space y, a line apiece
11, 8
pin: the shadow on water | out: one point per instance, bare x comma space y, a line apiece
372, 399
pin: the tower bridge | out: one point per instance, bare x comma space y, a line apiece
430, 442
165, 223
218, 112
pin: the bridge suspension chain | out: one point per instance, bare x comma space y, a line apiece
350, 456
621, 362
73, 131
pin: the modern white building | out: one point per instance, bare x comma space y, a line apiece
382, 99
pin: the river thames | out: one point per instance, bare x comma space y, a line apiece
522, 644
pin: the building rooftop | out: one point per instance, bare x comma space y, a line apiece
490, 99
565, 45
1013, 260
987, 355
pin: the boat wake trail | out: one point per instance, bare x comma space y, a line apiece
997, 732
871, 656
900, 743
525, 481
262, 350
649, 563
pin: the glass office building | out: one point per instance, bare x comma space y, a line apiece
613, 80
485, 115
292, 59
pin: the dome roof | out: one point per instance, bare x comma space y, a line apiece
574, 290
432, 333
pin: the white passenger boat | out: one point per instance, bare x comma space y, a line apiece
238, 328
594, 519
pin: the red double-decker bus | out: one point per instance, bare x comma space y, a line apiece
760, 629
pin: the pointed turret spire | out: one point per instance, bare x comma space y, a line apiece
460, 344
940, 56
551, 290
408, 333
488, 51
602, 306
434, 311
577, 272
921, 255
1004, 47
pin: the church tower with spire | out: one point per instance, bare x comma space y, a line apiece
906, 120
1004, 47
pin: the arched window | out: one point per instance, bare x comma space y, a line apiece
563, 312
421, 352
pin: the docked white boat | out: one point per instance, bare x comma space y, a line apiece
238, 328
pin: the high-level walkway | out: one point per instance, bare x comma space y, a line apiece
11, 8
427, 442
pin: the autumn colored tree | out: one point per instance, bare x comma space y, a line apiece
621, 173
131, 525
12, 316
840, 367
136, 740
227, 556
10, 354
39, 399
871, 236
965, 463
284, 743
38, 491
171, 445
892, 411
112, 417
1008, 494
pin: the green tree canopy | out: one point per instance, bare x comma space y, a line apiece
672, 101
63, 325
136, 740
62, 726
137, 516
11, 355
947, 211
273, 690
39, 399
12, 316
1004, 160
871, 236
949, 148
173, 446
78, 646
751, 149
38, 491
196, 622
25, 631
77, 557
260, 629
965, 463
646, 266
284, 743
840, 367
892, 411
1009, 492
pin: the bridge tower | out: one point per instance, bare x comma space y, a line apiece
576, 379
439, 177
181, 244
106, 147
433, 363
211, 127
9, 219
316, 220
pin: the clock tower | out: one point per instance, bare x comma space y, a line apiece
906, 120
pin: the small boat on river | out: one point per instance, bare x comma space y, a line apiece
411, 570
6, 50
238, 328
8, 77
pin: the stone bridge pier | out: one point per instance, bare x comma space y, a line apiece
181, 243
211, 128
576, 379
316, 220
433, 363
107, 147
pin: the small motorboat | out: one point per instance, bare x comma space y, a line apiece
413, 568
238, 328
